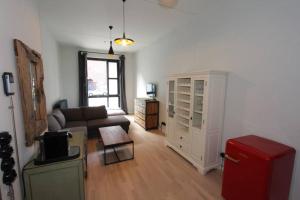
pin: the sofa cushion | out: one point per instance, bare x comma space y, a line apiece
73, 114
78, 129
59, 117
71, 124
53, 124
91, 113
109, 121
115, 112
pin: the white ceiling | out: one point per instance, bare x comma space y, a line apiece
84, 23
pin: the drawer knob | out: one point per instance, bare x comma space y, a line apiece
180, 137
180, 146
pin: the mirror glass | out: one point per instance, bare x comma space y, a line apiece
33, 84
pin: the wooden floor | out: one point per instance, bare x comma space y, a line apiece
156, 173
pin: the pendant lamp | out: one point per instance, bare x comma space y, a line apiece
110, 51
124, 41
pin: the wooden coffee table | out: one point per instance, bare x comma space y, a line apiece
112, 137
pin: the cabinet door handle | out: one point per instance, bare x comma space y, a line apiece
180, 146
232, 159
191, 118
180, 137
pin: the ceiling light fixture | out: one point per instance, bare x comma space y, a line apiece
110, 51
123, 40
168, 3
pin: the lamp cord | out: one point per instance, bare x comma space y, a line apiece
124, 17
11, 193
110, 29
11, 107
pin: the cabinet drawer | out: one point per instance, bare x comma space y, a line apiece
185, 148
139, 121
182, 138
140, 102
152, 121
140, 115
152, 108
140, 109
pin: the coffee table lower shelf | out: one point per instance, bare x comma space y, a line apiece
113, 137
114, 148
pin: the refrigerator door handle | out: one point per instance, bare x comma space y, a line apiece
232, 159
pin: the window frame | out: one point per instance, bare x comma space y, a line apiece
107, 80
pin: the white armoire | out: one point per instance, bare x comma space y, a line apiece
195, 113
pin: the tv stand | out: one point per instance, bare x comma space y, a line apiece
146, 113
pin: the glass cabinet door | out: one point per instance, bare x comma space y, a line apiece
171, 109
198, 103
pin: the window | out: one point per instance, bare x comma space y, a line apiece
103, 83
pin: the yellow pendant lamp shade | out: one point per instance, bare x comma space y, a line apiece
124, 41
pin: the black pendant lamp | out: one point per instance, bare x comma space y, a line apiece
123, 40
110, 51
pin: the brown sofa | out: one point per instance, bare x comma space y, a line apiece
90, 117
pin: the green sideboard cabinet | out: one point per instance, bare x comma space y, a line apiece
60, 180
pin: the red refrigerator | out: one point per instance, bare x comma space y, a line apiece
256, 168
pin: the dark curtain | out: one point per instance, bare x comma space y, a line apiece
83, 85
123, 101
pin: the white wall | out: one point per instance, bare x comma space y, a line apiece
18, 19
69, 74
51, 61
258, 43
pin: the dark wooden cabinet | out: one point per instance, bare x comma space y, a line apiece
146, 113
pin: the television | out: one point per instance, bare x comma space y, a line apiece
151, 90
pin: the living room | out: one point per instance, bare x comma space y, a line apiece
253, 44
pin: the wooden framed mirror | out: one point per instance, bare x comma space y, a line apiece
31, 78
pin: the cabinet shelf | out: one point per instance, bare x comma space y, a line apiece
184, 85
198, 95
184, 93
182, 108
184, 101
198, 111
183, 124
183, 116
197, 126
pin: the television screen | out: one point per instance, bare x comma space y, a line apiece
151, 90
